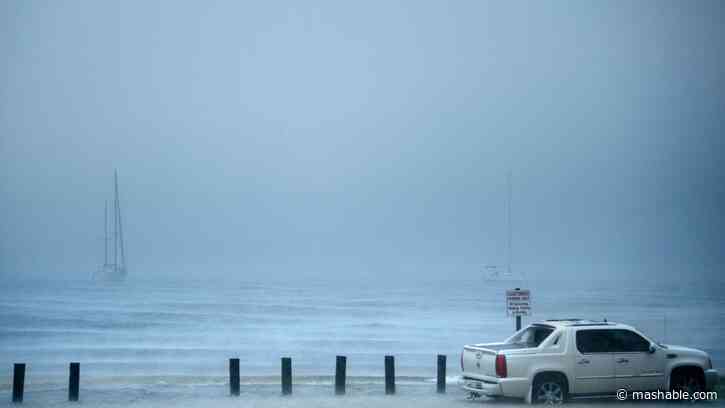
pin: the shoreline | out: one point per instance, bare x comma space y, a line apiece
214, 380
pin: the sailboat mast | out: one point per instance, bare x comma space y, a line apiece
115, 223
508, 211
120, 226
105, 233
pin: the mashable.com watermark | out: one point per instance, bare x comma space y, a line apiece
674, 395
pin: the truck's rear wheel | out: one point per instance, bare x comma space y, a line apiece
549, 390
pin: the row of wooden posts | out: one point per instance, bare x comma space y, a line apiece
234, 379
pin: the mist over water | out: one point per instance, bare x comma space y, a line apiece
321, 178
370, 139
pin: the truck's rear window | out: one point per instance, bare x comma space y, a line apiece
532, 336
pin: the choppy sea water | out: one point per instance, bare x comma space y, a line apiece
140, 342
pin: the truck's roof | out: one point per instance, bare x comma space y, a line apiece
580, 322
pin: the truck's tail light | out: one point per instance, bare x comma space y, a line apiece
501, 366
461, 361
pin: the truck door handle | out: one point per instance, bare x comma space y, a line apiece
622, 360
583, 361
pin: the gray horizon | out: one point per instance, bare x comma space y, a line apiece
334, 141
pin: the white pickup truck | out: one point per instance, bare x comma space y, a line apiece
554, 360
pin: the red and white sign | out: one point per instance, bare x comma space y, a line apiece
518, 302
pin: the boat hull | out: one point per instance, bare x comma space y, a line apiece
109, 273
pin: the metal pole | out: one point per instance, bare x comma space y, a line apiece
286, 375
441, 384
389, 375
340, 373
18, 382
74, 381
234, 376
518, 317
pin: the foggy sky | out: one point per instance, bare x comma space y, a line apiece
363, 138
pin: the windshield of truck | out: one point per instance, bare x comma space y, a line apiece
531, 336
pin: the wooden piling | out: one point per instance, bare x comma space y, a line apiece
234, 376
340, 372
441, 383
18, 382
286, 375
389, 375
74, 379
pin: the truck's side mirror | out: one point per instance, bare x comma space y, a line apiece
652, 348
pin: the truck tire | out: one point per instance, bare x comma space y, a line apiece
688, 379
549, 389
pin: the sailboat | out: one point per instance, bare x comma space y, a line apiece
494, 273
114, 261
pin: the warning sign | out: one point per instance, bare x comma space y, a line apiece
518, 302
